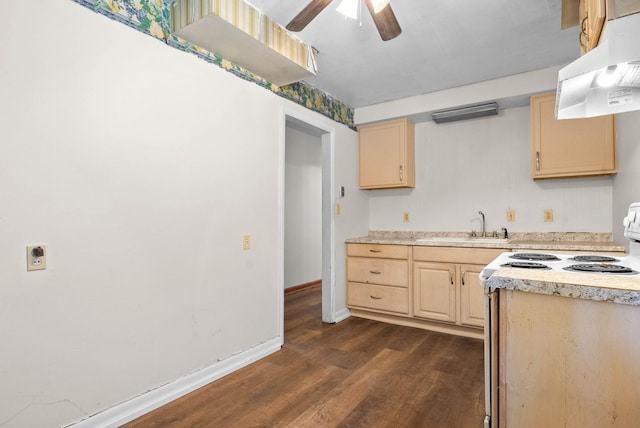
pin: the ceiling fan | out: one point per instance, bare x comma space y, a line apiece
380, 11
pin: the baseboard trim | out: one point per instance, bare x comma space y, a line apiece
138, 406
305, 286
342, 315
475, 333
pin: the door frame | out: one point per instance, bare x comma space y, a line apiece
327, 137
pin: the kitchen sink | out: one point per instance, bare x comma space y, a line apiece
488, 240
461, 239
443, 239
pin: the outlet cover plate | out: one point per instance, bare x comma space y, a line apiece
36, 263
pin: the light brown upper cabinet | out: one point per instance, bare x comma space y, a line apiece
572, 147
387, 154
593, 15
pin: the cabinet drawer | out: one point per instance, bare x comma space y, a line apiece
479, 256
378, 251
378, 271
379, 297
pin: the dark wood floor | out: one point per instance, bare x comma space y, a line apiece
357, 373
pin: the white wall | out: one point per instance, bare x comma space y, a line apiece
484, 164
303, 208
626, 184
140, 167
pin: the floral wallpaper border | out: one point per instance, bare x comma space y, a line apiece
153, 17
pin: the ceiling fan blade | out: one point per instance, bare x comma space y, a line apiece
385, 21
307, 14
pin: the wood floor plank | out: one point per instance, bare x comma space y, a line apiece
357, 373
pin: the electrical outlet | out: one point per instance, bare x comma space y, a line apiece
405, 217
246, 242
548, 215
511, 215
36, 257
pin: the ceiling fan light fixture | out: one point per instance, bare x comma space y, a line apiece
349, 8
378, 5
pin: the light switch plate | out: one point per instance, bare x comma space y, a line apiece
34, 262
511, 215
246, 242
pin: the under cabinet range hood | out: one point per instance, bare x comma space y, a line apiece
605, 80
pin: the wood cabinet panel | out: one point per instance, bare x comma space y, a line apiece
378, 271
378, 297
570, 148
457, 255
471, 296
567, 362
378, 251
593, 15
434, 291
387, 155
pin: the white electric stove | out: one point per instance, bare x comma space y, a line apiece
579, 264
582, 263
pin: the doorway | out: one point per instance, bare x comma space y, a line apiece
306, 126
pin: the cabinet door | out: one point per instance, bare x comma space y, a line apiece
593, 17
434, 291
387, 155
570, 148
471, 296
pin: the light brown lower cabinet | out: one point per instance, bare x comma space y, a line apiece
378, 278
436, 288
450, 292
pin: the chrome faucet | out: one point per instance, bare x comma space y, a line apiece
483, 224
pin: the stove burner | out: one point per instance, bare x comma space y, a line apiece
597, 268
534, 256
594, 259
526, 265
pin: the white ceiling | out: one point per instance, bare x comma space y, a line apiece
444, 44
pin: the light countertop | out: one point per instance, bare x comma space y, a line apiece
605, 288
553, 241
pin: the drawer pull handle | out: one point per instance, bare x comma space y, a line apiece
375, 251
451, 277
462, 277
537, 161
376, 298
375, 272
